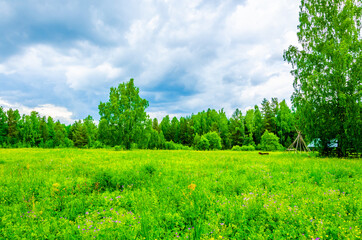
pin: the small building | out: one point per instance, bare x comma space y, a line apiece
315, 143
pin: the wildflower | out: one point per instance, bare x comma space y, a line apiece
87, 213
192, 186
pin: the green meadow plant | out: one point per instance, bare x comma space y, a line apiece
145, 194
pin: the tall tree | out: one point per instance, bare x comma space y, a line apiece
259, 125
174, 129
3, 126
275, 108
165, 127
125, 111
92, 130
249, 127
223, 126
35, 127
327, 72
155, 125
105, 133
285, 124
13, 118
237, 129
268, 114
43, 130
79, 135
59, 134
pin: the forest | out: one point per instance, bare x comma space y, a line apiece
326, 101
134, 129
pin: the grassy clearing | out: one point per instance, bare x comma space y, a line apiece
77, 194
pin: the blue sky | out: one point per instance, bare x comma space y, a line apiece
61, 57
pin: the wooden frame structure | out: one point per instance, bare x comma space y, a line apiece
298, 144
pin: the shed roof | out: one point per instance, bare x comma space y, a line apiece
316, 143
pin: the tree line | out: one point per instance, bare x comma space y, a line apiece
326, 102
125, 124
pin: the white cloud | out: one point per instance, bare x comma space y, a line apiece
56, 112
72, 67
82, 77
220, 54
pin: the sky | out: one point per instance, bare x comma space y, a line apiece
60, 58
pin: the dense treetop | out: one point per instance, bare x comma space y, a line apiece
125, 124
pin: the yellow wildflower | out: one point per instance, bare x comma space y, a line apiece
192, 186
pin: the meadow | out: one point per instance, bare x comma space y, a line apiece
107, 194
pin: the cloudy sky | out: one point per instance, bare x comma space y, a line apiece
61, 57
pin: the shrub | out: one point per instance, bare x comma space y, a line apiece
170, 145
118, 148
134, 146
197, 139
68, 143
203, 144
49, 144
270, 142
248, 148
176, 146
149, 169
214, 140
97, 144
236, 148
243, 148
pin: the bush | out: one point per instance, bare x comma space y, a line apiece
270, 142
236, 148
197, 139
68, 143
49, 144
248, 148
97, 144
134, 146
243, 148
214, 140
176, 146
203, 144
118, 148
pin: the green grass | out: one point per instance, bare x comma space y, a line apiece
82, 194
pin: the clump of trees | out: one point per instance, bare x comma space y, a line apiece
328, 73
124, 124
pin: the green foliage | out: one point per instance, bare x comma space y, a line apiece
175, 146
3, 127
327, 73
82, 194
79, 135
237, 129
270, 142
13, 118
259, 125
236, 148
119, 148
214, 140
97, 145
285, 124
203, 144
68, 143
243, 148
125, 113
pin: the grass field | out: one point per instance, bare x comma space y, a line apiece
105, 194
